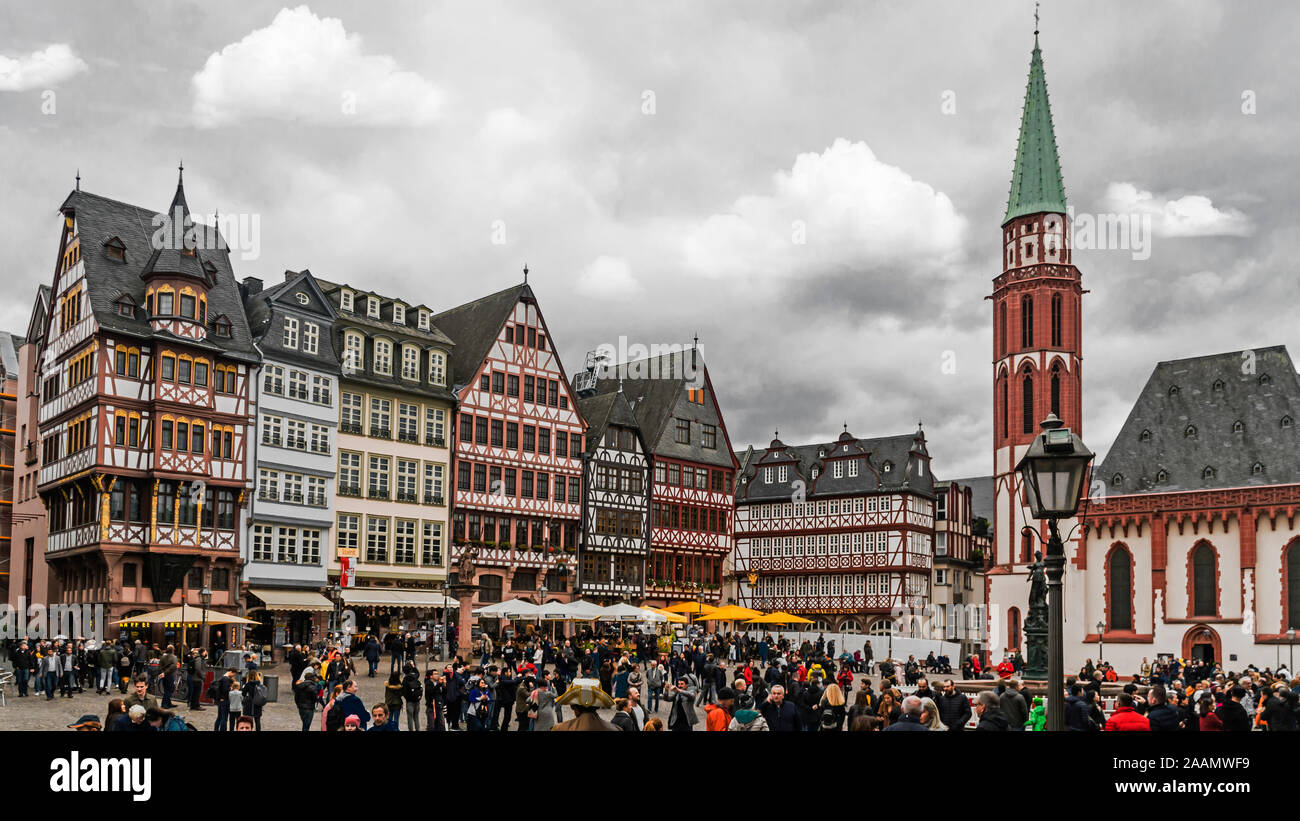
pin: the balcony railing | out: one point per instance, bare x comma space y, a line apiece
432, 499
408, 436
348, 427
268, 495
406, 496
297, 442
435, 441
377, 493
267, 439
350, 490
381, 433
317, 499
294, 498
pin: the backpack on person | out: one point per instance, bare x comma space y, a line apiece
260, 696
213, 692
412, 689
828, 720
176, 724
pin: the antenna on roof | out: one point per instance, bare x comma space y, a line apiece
525, 273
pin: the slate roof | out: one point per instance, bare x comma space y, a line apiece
9, 345
268, 308
656, 390
1210, 394
99, 219
902, 452
1036, 184
603, 410
475, 326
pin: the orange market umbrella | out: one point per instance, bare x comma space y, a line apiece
779, 618
691, 607
673, 618
731, 612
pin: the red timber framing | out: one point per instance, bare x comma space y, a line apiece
142, 427
517, 451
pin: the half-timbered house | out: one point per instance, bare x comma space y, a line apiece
29, 572
291, 517
615, 535
519, 445
838, 532
145, 411
694, 471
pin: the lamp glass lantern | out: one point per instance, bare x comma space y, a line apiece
1052, 471
205, 596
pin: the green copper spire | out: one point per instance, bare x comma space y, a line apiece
1036, 184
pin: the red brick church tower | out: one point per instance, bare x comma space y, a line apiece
1037, 341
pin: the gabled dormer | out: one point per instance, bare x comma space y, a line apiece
115, 249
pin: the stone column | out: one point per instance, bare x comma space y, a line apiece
465, 617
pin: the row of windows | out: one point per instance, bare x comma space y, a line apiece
190, 305
527, 532
679, 569
824, 507
392, 541
381, 359
604, 568
678, 475
537, 389
286, 545
178, 503
347, 301
380, 475
295, 434
623, 439
688, 517
304, 336
708, 433
832, 544
619, 479
300, 385
830, 584
531, 485
498, 433
293, 488
611, 522
1027, 323
352, 407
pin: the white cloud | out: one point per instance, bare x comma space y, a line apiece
608, 278
843, 208
1191, 215
40, 69
309, 69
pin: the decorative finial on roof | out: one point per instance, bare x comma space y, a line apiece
180, 176
525, 273
846, 426
78, 179
1035, 25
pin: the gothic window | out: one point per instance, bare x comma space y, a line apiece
1293, 585
1002, 337
1119, 574
1026, 321
1013, 628
1027, 397
1056, 319
1006, 406
1204, 571
1056, 389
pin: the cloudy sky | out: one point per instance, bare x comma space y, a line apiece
815, 189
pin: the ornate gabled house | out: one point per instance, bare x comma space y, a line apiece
518, 448
291, 518
395, 406
694, 472
145, 410
840, 532
1192, 543
616, 501
1037, 344
962, 511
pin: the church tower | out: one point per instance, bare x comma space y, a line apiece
1036, 334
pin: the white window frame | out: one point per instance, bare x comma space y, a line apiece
290, 339
310, 337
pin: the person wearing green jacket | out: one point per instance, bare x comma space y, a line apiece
107, 663
1037, 716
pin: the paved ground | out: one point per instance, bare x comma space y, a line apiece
37, 713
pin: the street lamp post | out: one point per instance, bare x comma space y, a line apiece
1101, 643
205, 596
1290, 640
1052, 473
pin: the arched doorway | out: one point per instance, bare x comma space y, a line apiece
1202, 642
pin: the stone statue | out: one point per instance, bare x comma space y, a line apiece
1037, 584
465, 571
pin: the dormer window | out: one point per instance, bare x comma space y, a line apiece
886, 467
424, 320
1117, 480
1217, 387
1208, 473
1238, 427
222, 327
399, 314
1257, 469
1145, 436
1265, 379
1287, 422
1162, 475
345, 301
1173, 390
115, 249
815, 471
1189, 432
125, 307
372, 307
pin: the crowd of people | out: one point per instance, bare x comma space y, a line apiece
725, 682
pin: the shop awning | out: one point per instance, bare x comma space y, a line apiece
308, 600
391, 597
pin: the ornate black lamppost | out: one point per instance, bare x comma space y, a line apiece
1052, 473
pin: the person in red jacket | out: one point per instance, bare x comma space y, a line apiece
1125, 718
845, 679
1006, 669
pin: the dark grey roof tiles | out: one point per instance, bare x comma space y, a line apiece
475, 326
801, 460
1226, 413
99, 218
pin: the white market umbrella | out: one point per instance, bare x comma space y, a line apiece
582, 611
626, 612
505, 609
